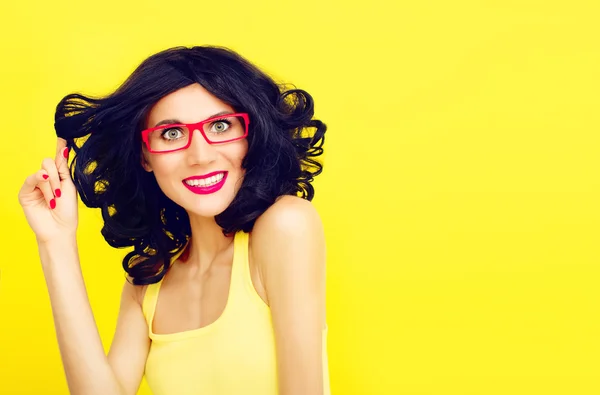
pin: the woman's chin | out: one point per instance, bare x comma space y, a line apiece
206, 209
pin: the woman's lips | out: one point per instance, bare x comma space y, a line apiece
205, 190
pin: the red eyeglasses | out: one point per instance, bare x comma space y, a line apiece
216, 130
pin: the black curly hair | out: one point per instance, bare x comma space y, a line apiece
105, 135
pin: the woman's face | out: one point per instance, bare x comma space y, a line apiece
175, 171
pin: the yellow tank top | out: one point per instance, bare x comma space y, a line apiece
233, 355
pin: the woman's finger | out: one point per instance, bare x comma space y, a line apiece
50, 167
61, 161
37, 186
32, 181
46, 189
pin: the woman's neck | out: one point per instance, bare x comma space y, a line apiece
207, 242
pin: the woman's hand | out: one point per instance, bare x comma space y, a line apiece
49, 198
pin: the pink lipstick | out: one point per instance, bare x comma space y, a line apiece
207, 183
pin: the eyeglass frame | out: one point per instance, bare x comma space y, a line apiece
196, 126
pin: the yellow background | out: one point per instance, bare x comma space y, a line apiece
461, 191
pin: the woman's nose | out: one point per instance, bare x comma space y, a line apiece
200, 151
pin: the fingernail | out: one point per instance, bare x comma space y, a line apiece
66, 152
57, 193
52, 203
45, 176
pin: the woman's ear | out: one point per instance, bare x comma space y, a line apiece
144, 162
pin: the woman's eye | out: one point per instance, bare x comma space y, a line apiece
220, 126
171, 133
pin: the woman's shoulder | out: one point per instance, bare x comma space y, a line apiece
136, 292
290, 225
288, 249
288, 214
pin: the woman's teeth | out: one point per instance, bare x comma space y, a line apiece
205, 182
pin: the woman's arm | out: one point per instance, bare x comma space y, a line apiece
49, 201
289, 247
88, 370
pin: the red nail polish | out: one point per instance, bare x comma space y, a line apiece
45, 176
52, 204
57, 193
66, 153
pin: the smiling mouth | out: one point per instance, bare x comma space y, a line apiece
205, 182
209, 183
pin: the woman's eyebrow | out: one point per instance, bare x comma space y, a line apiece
172, 121
167, 122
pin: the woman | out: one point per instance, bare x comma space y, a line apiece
203, 165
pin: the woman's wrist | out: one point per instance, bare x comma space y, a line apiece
58, 251
63, 241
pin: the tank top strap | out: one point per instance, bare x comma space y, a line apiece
149, 303
242, 285
241, 268
240, 248
151, 296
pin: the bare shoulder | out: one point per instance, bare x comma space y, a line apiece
288, 216
135, 292
287, 238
